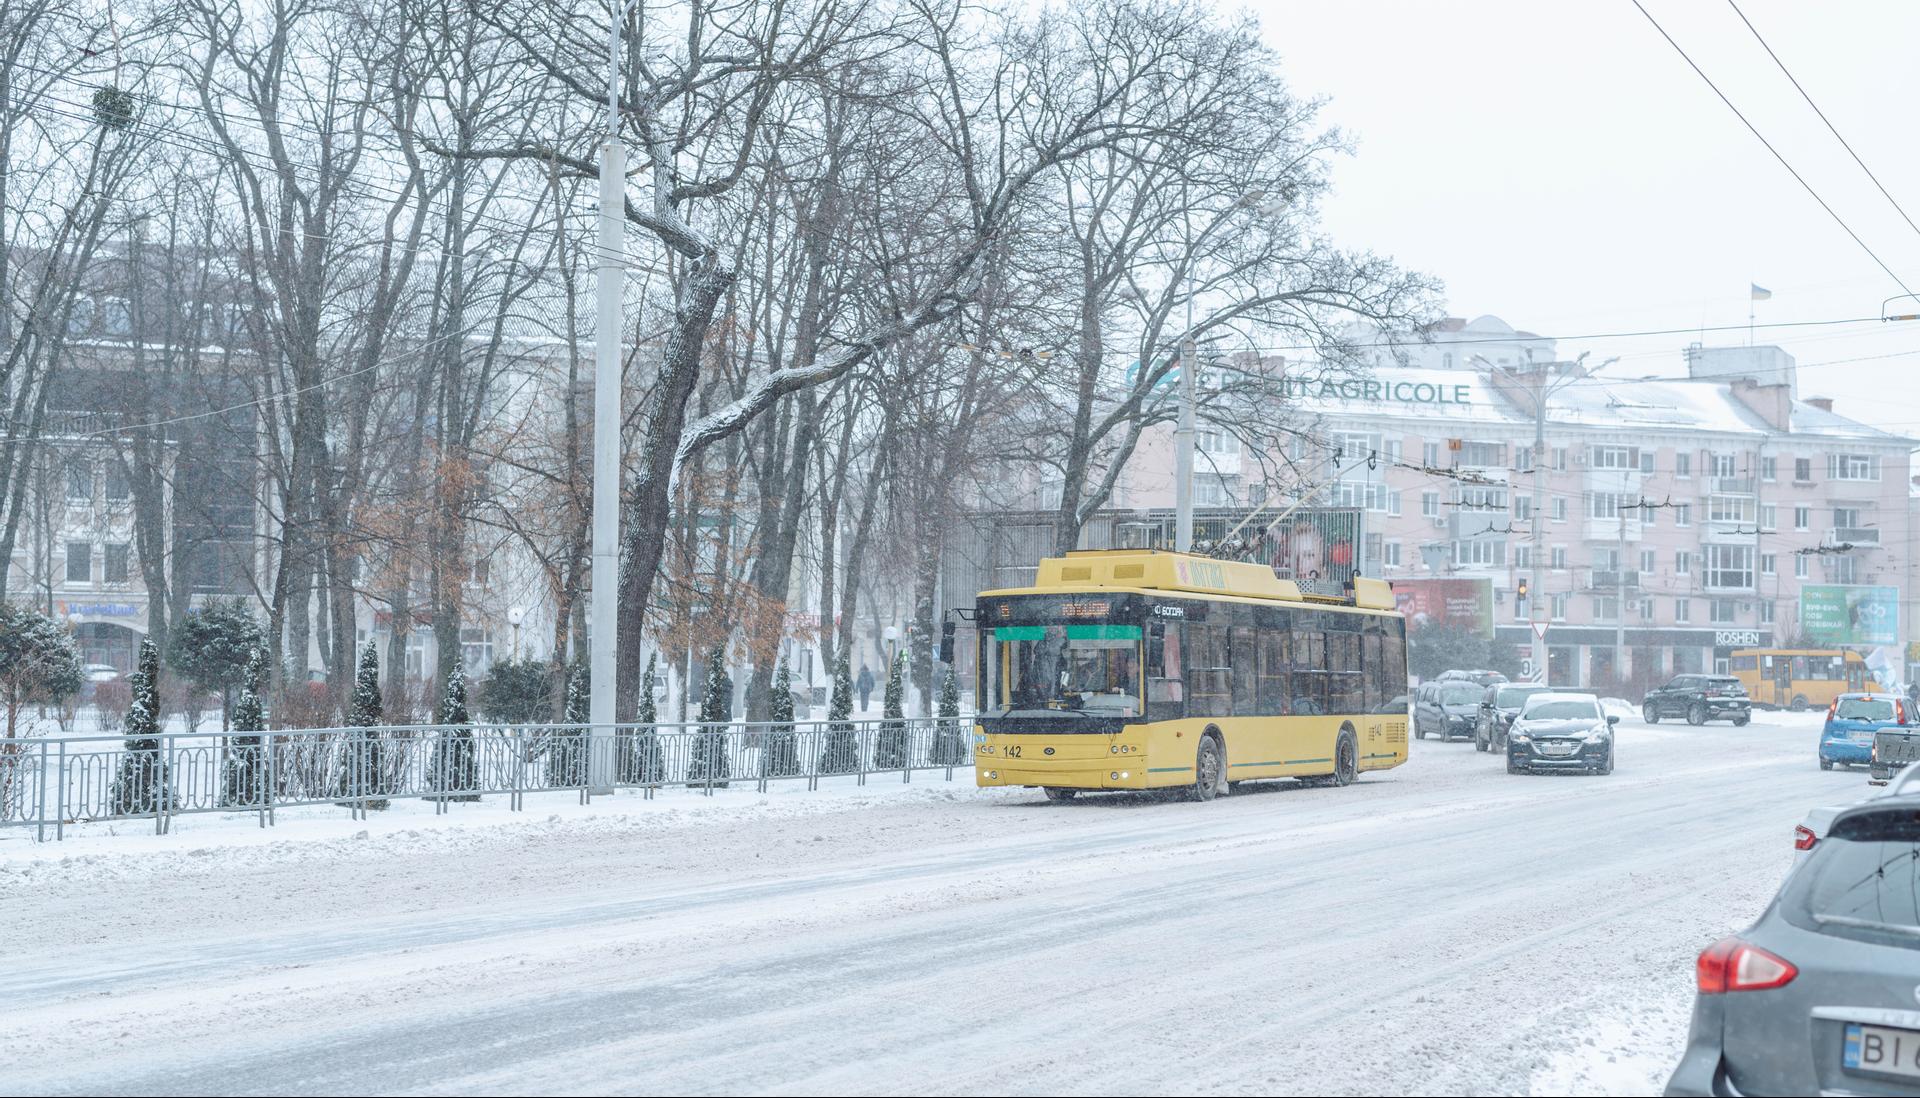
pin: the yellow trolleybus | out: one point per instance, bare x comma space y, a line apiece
1142, 669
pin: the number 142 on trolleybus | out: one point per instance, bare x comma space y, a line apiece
1143, 669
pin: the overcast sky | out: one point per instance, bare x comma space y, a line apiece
1560, 166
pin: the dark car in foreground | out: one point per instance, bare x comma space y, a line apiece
1699, 699
1498, 707
1561, 731
1847, 736
1820, 995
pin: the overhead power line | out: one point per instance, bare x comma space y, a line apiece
1755, 130
1823, 117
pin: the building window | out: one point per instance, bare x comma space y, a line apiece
1523, 508
1767, 564
1721, 464
1682, 464
1485, 454
1803, 470
1767, 468
1648, 513
1523, 556
1853, 467
1646, 561
1769, 516
118, 488
1682, 613
1683, 515
1391, 554
1842, 569
1802, 518
1523, 460
79, 480
115, 319
1682, 563
1430, 504
1722, 611
1558, 558
1606, 608
1766, 613
1646, 609
1734, 509
1646, 462
1560, 459
1559, 508
1799, 566
1560, 607
1603, 505
1847, 518
1478, 551
79, 562
1393, 503
1430, 455
116, 563
1614, 457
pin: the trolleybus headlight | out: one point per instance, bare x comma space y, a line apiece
993, 774
1115, 776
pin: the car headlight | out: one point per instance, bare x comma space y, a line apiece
1521, 737
1598, 735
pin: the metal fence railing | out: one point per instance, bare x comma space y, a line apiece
47, 784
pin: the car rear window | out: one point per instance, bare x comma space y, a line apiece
1864, 881
1726, 686
1514, 695
1865, 709
1562, 709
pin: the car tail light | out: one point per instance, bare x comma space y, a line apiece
1803, 837
1732, 965
1833, 708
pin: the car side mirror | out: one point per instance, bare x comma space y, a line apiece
1613, 719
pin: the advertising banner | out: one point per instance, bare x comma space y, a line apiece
1317, 549
1462, 603
1847, 615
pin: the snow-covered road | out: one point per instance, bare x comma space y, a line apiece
1442, 928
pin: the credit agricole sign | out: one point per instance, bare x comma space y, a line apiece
1401, 392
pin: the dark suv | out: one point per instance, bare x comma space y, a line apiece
1699, 698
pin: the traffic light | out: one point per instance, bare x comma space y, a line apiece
946, 642
1521, 590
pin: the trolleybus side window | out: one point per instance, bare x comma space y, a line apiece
1309, 670
1344, 694
1166, 692
1208, 690
1245, 659
1274, 698
1374, 666
1393, 659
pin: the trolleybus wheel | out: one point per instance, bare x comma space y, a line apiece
1346, 759
1209, 769
1799, 704
1055, 793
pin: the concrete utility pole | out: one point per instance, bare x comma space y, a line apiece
1620, 592
609, 271
1183, 444
1536, 594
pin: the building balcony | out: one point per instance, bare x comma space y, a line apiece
1489, 474
1602, 580
1732, 486
1608, 529
1855, 535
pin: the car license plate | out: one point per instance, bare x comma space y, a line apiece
1878, 1048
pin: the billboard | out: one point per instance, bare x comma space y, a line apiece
1837, 614
1317, 549
1462, 603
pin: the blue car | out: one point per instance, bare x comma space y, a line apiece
1852, 719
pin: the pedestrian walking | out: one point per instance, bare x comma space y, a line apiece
864, 684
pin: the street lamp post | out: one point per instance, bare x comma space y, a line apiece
608, 270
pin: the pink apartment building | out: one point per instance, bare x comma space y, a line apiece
1681, 518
